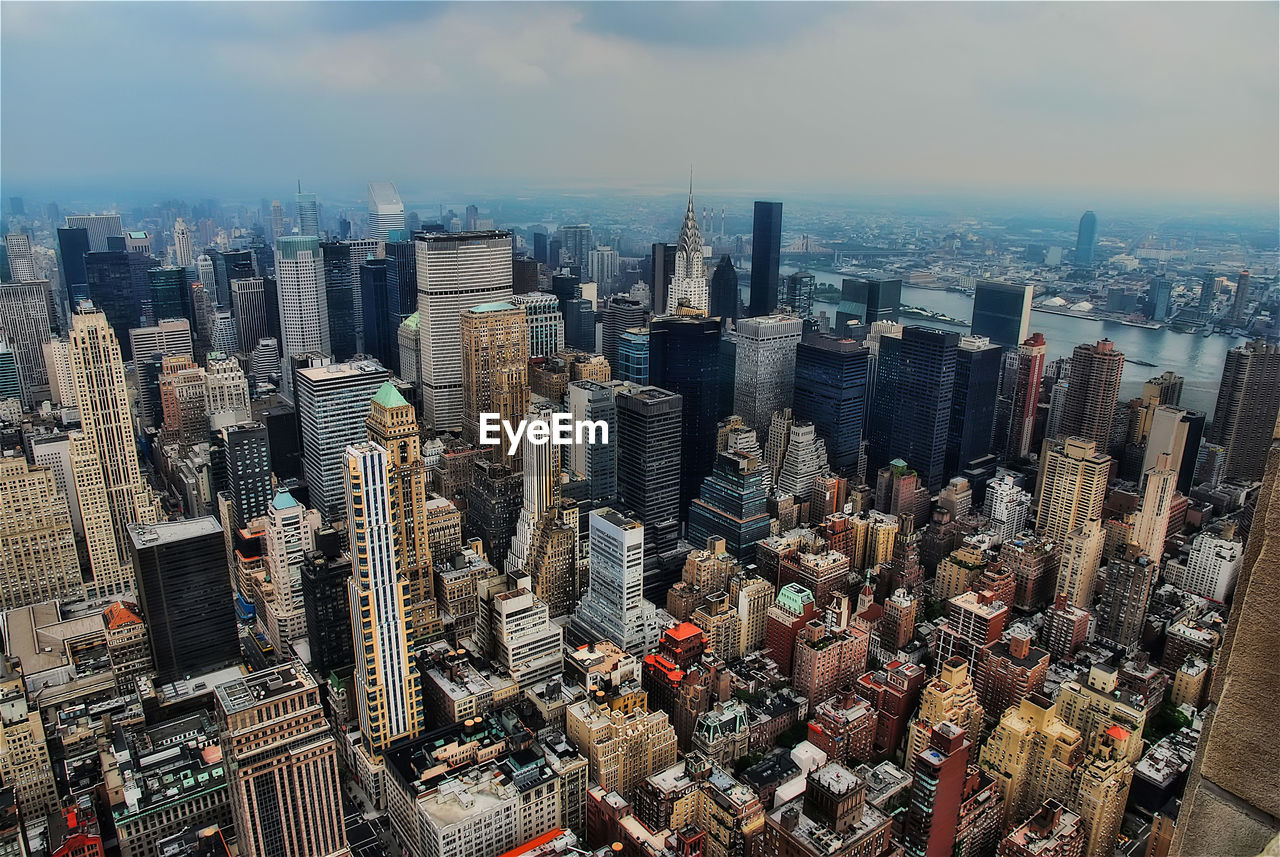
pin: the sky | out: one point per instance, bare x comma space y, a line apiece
1161, 101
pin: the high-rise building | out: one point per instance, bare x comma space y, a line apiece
973, 402
766, 256
99, 227
732, 505
1086, 239
648, 460
797, 293
24, 765
1053, 831
1151, 527
1092, 391
597, 463
765, 367
308, 210
949, 697
376, 333
544, 321
602, 265
684, 355
1082, 548
620, 315
803, 459
304, 312
662, 264
282, 763
1032, 755
724, 300
389, 692
73, 244
495, 369
333, 403
869, 299
1211, 568
455, 272
614, 607
937, 789
1241, 300
1176, 433
386, 211
182, 254
230, 265
542, 466
1125, 589
22, 264
326, 576
1244, 418
184, 589
249, 306
1002, 312
170, 296
689, 279
38, 559
1071, 487
831, 393
109, 483
246, 457
339, 300
577, 242
1102, 790
1026, 396
110, 281
24, 325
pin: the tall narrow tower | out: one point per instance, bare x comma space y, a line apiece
689, 282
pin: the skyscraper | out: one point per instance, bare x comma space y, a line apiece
724, 300
386, 211
1026, 396
22, 264
620, 315
308, 215
377, 335
1152, 524
340, 302
109, 483
765, 367
73, 244
577, 242
649, 453
870, 298
544, 321
542, 466
99, 227
38, 561
170, 296
732, 505
333, 403
1071, 488
973, 402
110, 282
246, 458
1002, 312
766, 256
662, 265
1086, 239
282, 763
939, 776
24, 324
831, 392
249, 306
614, 607
684, 357
1124, 591
689, 279
456, 271
1092, 391
304, 311
495, 369
182, 253
389, 693
597, 463
184, 589
1241, 300
1244, 418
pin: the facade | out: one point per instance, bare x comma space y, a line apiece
831, 385
25, 325
688, 287
950, 697
38, 560
731, 505
622, 746
1031, 754
614, 607
939, 777
386, 211
766, 254
1026, 396
1086, 239
765, 367
1002, 312
303, 299
832, 817
597, 463
495, 370
648, 460
1072, 485
246, 454
24, 755
684, 357
973, 402
1092, 390
1211, 568
340, 290
545, 323
1244, 417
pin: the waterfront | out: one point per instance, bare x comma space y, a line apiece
1198, 359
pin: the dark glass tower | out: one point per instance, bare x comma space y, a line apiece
579, 324
649, 455
73, 244
662, 265
170, 295
870, 299
973, 403
339, 293
620, 314
1086, 239
540, 247
724, 290
110, 281
246, 456
732, 505
325, 573
230, 265
379, 341
831, 392
184, 590
1002, 312
766, 256
402, 294
684, 357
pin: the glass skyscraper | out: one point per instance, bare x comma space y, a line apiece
732, 505
1002, 312
831, 392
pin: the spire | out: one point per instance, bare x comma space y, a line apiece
690, 234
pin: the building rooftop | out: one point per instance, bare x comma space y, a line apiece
168, 532
252, 690
388, 396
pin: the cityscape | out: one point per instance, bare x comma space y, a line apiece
622, 478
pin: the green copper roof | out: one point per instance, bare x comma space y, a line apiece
412, 321
793, 597
389, 397
492, 306
283, 500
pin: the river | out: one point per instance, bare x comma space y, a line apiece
1196, 358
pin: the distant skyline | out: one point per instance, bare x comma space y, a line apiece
1083, 102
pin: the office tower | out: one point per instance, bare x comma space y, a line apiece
1082, 548
326, 577
602, 263
1026, 395
304, 311
831, 393
38, 559
22, 264
308, 210
10, 385
916, 374
407, 340
99, 228
614, 607
1101, 792
869, 299
542, 466
389, 693
1007, 507
1053, 831
333, 403
265, 358
723, 301
226, 391
246, 471
401, 299
1002, 312
364, 249
25, 767
138, 242
579, 324
1124, 589
249, 307
1241, 300
591, 401
110, 281
205, 274
684, 356
1159, 291
539, 237
1086, 239
662, 265
340, 304
524, 275
804, 459
973, 402
765, 367
73, 244
731, 505
544, 322
766, 256
939, 775
649, 453
1152, 525
633, 357
170, 297
689, 278
222, 332
230, 265
949, 697
1176, 433
1072, 487
376, 333
109, 483
1244, 418
184, 590
1031, 754
1092, 391
797, 293
182, 387
577, 242
182, 253
24, 325
1211, 568
289, 533
495, 369
386, 211
456, 271
282, 765
277, 219
620, 315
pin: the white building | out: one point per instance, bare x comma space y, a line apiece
99, 226
22, 262
541, 483
304, 309
386, 211
24, 324
226, 392
614, 607
689, 279
546, 324
1007, 507
456, 271
804, 460
170, 337
182, 256
528, 644
1211, 569
603, 264
765, 368
290, 535
308, 215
